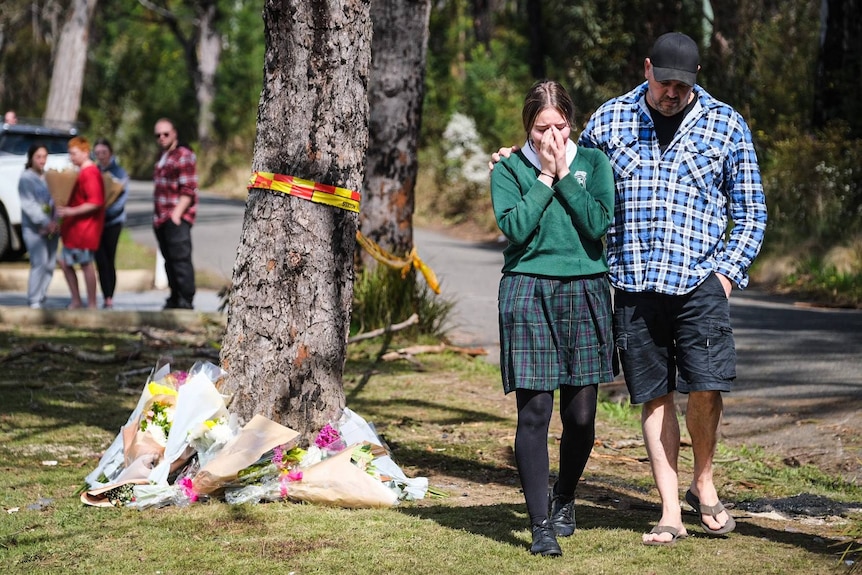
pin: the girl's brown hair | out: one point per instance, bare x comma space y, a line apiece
547, 94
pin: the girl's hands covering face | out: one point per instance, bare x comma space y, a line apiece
549, 135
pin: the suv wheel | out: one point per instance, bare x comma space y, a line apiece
5, 237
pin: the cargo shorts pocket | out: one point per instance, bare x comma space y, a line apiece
721, 350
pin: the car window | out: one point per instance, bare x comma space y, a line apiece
18, 144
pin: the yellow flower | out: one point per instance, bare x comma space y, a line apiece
159, 389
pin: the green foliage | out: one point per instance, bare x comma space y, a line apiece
819, 281
497, 80
783, 49
381, 297
814, 188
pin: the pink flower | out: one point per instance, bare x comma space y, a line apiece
278, 456
289, 477
188, 488
327, 436
294, 475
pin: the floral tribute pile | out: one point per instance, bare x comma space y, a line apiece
181, 445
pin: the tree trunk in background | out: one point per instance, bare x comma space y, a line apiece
286, 337
395, 93
483, 26
70, 61
209, 52
201, 42
537, 43
839, 65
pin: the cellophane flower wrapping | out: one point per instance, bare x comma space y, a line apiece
181, 445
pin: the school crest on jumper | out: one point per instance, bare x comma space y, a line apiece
581, 177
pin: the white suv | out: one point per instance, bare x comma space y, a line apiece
15, 140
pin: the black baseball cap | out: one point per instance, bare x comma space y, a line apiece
674, 56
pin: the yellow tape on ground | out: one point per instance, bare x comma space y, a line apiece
403, 264
306, 189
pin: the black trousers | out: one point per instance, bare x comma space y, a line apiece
175, 243
106, 257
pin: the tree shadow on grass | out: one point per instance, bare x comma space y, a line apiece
602, 508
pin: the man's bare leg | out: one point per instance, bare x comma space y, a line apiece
661, 436
702, 418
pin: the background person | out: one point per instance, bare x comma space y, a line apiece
175, 197
115, 217
683, 163
554, 203
82, 221
10, 117
38, 225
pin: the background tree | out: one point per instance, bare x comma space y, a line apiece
839, 65
289, 312
201, 42
395, 92
70, 61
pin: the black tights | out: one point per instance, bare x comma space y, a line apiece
578, 414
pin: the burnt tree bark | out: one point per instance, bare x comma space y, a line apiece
396, 89
288, 321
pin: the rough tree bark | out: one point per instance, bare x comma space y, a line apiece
70, 61
288, 321
395, 93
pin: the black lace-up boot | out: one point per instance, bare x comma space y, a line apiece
544, 540
561, 513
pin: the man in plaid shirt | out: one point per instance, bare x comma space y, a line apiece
175, 197
684, 169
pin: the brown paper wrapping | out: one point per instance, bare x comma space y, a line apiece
256, 438
60, 185
336, 481
113, 188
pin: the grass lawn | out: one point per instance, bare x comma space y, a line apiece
446, 419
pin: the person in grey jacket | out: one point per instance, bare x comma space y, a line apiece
38, 225
115, 217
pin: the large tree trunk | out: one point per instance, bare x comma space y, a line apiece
395, 94
209, 53
288, 322
839, 65
70, 61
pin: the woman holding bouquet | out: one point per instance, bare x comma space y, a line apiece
83, 219
115, 216
38, 225
553, 200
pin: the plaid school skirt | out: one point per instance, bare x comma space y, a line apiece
554, 332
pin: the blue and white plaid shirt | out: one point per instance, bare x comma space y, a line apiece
672, 209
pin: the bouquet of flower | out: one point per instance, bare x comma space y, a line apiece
153, 442
60, 184
331, 472
181, 445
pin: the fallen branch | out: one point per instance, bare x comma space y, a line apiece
412, 320
409, 352
87, 356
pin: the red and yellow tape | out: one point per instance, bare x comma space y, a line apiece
306, 189
346, 200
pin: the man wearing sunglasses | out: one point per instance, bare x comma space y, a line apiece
175, 197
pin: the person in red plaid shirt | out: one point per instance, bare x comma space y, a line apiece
175, 197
